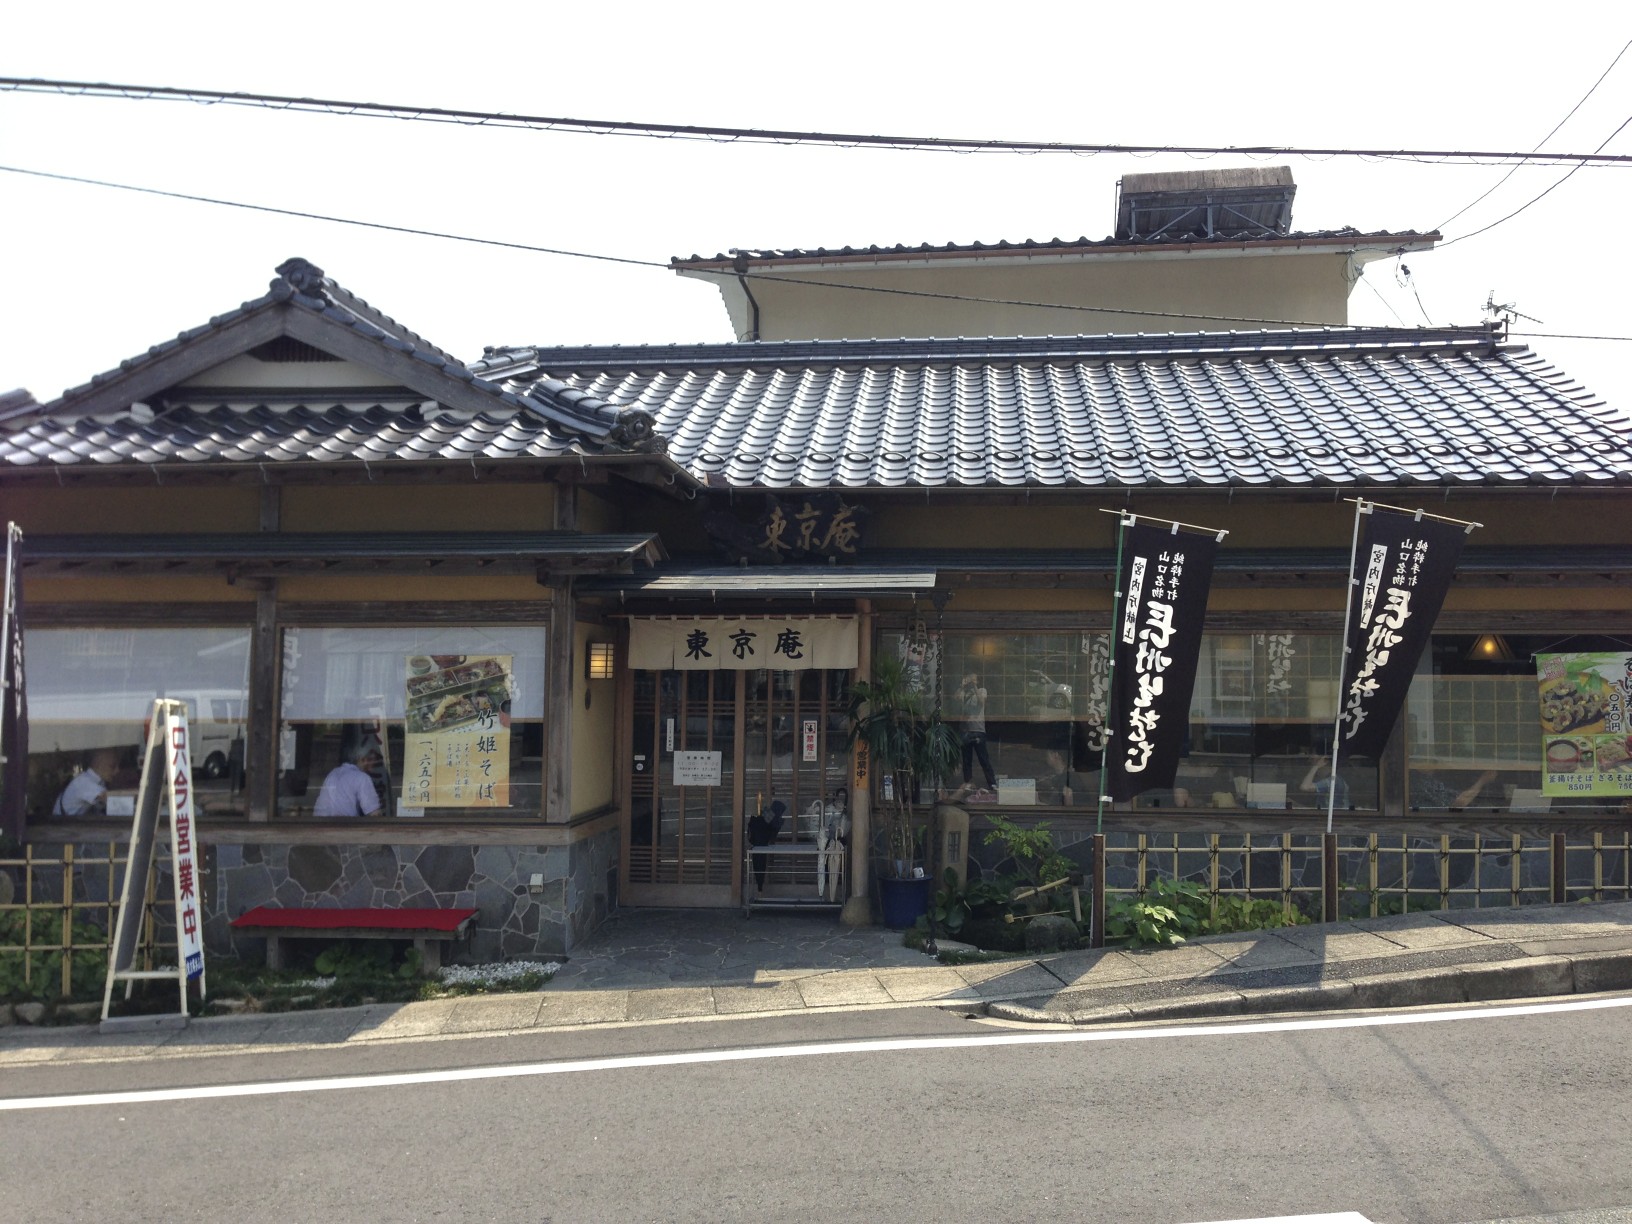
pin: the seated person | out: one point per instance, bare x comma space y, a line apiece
1433, 791
349, 788
1318, 782
1060, 785
87, 791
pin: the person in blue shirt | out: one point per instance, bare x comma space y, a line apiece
349, 789
1319, 782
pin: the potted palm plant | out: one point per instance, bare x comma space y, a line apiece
910, 748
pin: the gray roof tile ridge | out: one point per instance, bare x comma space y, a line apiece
522, 359
1004, 245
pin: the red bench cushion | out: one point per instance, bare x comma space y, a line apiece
263, 916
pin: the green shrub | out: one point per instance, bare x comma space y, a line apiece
1170, 911
1036, 860
38, 975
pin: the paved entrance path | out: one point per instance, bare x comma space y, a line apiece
663, 965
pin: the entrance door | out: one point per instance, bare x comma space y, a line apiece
777, 734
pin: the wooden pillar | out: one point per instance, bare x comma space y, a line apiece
858, 907
562, 679
262, 717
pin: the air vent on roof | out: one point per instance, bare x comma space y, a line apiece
286, 349
1250, 202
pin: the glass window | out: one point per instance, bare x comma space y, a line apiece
90, 692
1032, 709
1260, 730
440, 720
1521, 723
1261, 718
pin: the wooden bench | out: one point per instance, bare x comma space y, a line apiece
428, 928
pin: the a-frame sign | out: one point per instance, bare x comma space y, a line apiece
166, 786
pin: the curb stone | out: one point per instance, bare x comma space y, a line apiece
1529, 977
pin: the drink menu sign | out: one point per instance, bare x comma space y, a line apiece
457, 742
1586, 723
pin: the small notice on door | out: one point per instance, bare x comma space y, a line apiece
697, 768
809, 740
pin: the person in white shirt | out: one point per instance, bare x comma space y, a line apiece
349, 788
87, 791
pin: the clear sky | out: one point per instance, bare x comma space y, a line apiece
93, 276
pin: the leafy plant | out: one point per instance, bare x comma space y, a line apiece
1170, 911
363, 959
949, 907
906, 742
38, 974
1036, 860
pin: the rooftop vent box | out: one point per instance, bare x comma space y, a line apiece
1249, 202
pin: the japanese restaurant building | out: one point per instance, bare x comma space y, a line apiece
593, 606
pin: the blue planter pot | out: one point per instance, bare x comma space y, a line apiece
903, 902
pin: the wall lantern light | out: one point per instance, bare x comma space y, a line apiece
1491, 648
598, 661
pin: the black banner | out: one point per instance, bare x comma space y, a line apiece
1155, 643
1402, 569
14, 717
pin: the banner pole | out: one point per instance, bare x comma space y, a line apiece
1123, 522
1360, 507
1419, 514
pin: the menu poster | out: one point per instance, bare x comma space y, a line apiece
457, 742
1586, 740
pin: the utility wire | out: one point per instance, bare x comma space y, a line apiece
759, 276
1566, 177
1441, 226
724, 274
728, 135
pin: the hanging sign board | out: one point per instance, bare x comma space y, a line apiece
748, 643
166, 789
1586, 723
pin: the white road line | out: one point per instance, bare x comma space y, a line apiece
883, 1045
1334, 1217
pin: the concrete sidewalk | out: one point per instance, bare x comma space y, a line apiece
660, 966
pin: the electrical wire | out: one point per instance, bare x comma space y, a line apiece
724, 274
1441, 226
1566, 177
732, 274
738, 135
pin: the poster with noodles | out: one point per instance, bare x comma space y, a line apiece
1586, 723
457, 731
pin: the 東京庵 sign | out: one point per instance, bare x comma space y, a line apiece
706, 643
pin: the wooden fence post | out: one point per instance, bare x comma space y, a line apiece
1328, 877
1096, 898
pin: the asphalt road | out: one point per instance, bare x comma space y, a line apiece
897, 1115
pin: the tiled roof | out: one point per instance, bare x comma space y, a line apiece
1032, 246
1339, 407
469, 418
321, 432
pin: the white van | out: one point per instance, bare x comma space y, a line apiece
215, 720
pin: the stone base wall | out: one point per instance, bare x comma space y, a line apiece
513, 923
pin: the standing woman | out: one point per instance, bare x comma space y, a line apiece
971, 706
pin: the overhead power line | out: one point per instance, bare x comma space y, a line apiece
1590, 91
729, 135
724, 274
